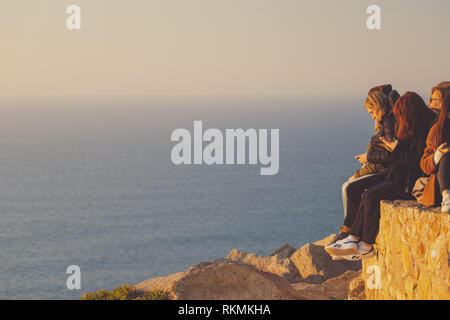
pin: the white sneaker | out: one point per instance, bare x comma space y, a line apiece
362, 253
337, 258
343, 247
445, 206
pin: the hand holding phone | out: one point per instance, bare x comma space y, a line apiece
362, 158
444, 148
389, 144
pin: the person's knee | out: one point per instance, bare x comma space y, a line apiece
371, 196
345, 187
352, 188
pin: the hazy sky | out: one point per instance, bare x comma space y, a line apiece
225, 47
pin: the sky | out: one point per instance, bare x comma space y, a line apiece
221, 47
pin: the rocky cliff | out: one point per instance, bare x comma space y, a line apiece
286, 274
412, 262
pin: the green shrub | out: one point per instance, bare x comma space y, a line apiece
125, 292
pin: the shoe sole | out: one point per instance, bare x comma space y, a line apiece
341, 252
362, 257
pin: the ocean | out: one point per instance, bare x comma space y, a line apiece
90, 182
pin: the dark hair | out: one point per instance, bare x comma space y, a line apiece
412, 116
442, 124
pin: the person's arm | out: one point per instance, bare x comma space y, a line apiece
383, 156
366, 169
379, 156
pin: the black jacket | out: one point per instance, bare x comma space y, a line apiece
405, 160
375, 153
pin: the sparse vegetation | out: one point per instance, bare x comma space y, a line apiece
125, 292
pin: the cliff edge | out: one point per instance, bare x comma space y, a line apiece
307, 273
411, 262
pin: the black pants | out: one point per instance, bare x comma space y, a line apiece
443, 173
354, 192
367, 220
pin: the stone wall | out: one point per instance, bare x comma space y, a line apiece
412, 260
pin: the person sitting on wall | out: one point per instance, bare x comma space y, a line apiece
413, 121
435, 104
379, 103
436, 160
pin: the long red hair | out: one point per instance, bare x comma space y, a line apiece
412, 116
442, 124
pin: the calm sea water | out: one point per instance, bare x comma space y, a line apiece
90, 182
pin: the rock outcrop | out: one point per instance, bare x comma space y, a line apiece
347, 286
311, 291
310, 263
412, 260
161, 283
357, 288
315, 265
223, 279
287, 273
275, 264
283, 252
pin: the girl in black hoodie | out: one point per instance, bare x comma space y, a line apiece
413, 121
379, 105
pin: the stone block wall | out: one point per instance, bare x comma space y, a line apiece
412, 260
